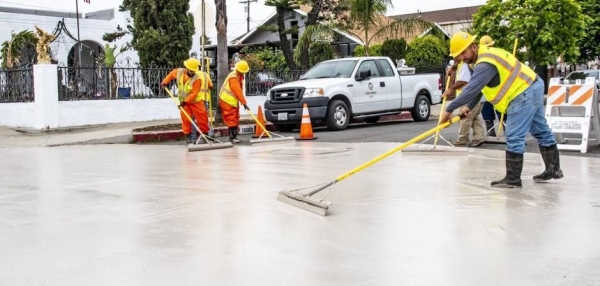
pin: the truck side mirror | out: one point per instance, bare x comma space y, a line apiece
362, 75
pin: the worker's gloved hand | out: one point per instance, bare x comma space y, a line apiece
162, 85
182, 104
246, 107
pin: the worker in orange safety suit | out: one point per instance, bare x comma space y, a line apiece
230, 96
191, 91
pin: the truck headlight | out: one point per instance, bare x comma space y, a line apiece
313, 92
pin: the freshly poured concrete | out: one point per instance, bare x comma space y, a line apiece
157, 215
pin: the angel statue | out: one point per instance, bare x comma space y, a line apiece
44, 39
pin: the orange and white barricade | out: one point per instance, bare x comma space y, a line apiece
572, 113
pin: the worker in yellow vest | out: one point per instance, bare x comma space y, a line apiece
207, 86
514, 89
191, 90
230, 96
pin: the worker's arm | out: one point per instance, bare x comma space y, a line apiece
482, 76
236, 88
171, 76
210, 83
194, 92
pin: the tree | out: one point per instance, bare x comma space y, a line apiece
162, 33
322, 11
395, 49
264, 58
427, 49
546, 29
589, 48
283, 7
222, 52
321, 51
11, 49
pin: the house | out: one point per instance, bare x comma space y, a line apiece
450, 20
342, 42
64, 49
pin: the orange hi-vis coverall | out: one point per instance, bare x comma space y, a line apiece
230, 96
192, 91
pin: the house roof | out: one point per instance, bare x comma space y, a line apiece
240, 40
444, 16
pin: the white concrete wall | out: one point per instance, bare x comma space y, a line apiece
91, 112
17, 114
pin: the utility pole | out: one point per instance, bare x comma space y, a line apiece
78, 39
247, 2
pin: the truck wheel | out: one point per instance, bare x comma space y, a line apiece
338, 115
372, 119
285, 127
422, 109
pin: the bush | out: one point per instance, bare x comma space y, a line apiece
359, 51
264, 58
395, 49
427, 49
320, 51
374, 51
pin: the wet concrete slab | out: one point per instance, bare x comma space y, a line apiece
157, 215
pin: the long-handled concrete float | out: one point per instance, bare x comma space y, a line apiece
209, 143
320, 206
265, 131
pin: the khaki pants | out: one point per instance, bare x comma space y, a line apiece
472, 121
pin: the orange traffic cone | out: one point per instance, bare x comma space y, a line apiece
306, 132
258, 131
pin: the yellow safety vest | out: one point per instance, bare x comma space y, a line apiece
204, 93
226, 94
515, 77
184, 88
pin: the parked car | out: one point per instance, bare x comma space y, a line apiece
341, 90
261, 82
583, 74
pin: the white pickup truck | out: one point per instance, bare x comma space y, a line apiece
339, 91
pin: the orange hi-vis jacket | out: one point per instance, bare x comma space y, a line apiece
192, 89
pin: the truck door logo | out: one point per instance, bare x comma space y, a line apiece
370, 86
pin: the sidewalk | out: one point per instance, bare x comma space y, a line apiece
120, 133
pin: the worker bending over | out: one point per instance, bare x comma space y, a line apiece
513, 88
230, 96
191, 90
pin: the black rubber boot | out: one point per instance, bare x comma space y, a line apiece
231, 134
514, 167
489, 125
551, 160
235, 133
188, 138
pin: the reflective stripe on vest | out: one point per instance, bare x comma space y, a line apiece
226, 94
184, 88
514, 77
204, 93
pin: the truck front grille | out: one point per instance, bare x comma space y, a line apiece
286, 95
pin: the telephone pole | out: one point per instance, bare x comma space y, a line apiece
247, 2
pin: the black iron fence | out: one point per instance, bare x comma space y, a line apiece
16, 85
259, 82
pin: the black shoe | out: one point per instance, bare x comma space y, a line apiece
235, 133
188, 138
489, 125
514, 167
551, 160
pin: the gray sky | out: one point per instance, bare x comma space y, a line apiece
237, 16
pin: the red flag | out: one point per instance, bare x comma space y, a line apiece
87, 1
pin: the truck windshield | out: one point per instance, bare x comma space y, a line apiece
331, 70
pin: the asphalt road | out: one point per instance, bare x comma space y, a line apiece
404, 130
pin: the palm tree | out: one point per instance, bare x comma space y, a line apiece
11, 50
283, 7
222, 53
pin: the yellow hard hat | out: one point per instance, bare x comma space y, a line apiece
242, 66
460, 42
486, 41
191, 64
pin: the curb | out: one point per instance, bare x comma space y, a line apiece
177, 135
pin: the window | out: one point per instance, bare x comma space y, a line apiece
387, 68
369, 65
